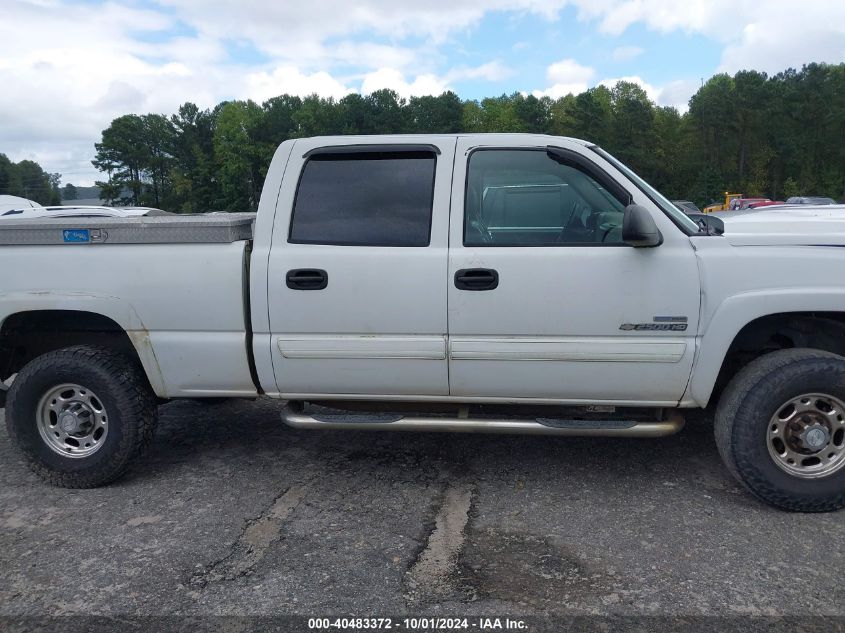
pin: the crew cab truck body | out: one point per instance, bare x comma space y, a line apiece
504, 283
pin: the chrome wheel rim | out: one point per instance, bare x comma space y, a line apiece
806, 436
72, 420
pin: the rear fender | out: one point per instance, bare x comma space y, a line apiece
116, 309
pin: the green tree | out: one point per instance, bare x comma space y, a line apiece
10, 179
160, 138
634, 136
748, 132
428, 115
387, 112
472, 117
592, 116
193, 173
238, 158
69, 192
500, 115
27, 179
121, 155
561, 116
38, 185
137, 154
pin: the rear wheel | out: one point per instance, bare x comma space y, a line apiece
80, 415
780, 428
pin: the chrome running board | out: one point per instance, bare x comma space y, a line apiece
672, 423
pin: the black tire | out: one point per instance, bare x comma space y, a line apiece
745, 411
125, 393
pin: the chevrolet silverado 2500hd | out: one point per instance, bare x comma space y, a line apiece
503, 283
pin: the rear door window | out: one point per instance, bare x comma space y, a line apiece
365, 199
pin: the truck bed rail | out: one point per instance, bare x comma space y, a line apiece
169, 229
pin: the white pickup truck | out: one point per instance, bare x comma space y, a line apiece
501, 283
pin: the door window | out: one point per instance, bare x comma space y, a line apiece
365, 199
527, 198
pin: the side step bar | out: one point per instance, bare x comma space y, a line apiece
673, 422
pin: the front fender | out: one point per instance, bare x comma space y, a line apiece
737, 311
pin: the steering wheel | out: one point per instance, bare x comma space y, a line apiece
606, 228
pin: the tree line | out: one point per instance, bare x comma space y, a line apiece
27, 179
773, 136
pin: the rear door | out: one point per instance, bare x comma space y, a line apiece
545, 300
357, 268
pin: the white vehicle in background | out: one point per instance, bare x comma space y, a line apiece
815, 200
800, 216
509, 283
20, 212
15, 205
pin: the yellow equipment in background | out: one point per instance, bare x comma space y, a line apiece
718, 206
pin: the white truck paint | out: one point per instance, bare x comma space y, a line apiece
191, 342
601, 323
545, 335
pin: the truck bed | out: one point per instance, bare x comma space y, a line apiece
168, 229
175, 284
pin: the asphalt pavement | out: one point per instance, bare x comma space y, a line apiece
233, 513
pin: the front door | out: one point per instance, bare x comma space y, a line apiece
545, 300
357, 268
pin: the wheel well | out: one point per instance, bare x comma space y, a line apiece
27, 335
816, 330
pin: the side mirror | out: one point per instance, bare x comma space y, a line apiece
709, 224
639, 229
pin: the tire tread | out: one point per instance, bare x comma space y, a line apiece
734, 430
135, 398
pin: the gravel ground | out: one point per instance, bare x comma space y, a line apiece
232, 513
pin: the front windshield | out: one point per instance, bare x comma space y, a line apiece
679, 217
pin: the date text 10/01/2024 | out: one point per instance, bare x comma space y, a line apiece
418, 624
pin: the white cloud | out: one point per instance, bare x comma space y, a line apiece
288, 29
676, 94
780, 41
290, 80
626, 53
568, 70
430, 83
371, 55
652, 92
565, 77
769, 36
68, 68
395, 80
491, 71
615, 16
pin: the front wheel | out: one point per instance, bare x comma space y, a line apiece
80, 415
780, 428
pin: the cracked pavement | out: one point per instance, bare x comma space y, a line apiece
233, 513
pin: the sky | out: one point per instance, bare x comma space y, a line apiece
68, 67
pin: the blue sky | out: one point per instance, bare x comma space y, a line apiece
68, 67
528, 44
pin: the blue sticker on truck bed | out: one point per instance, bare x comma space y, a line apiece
76, 235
